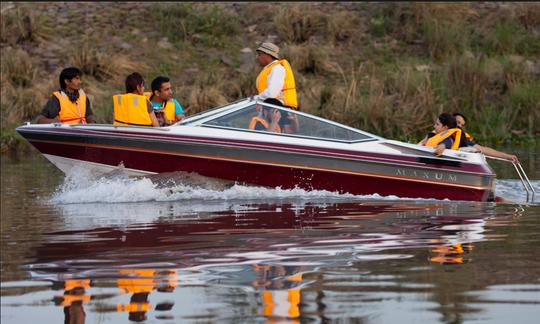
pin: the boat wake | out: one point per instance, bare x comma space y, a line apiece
81, 186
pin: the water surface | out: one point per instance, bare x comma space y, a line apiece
181, 248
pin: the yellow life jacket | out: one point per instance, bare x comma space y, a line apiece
270, 304
74, 283
143, 282
71, 112
289, 88
438, 138
169, 108
133, 307
257, 119
67, 300
131, 109
469, 137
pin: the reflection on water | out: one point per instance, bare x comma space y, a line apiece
183, 253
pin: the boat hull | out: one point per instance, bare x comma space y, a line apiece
266, 164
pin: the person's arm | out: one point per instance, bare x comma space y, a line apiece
276, 116
439, 149
292, 128
49, 113
90, 119
178, 111
276, 80
446, 144
153, 118
492, 152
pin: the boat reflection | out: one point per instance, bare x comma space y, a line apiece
73, 298
268, 248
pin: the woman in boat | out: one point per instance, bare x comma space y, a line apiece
445, 134
288, 125
267, 119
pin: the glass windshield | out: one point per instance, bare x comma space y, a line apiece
270, 118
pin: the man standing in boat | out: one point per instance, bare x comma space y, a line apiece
276, 80
68, 105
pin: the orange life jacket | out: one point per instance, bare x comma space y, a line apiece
74, 283
67, 300
131, 109
257, 119
270, 303
133, 307
169, 108
143, 282
289, 88
438, 138
71, 112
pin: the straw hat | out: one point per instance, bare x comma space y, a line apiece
270, 49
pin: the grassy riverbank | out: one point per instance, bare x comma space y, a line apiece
386, 68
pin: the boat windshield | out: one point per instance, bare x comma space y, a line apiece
258, 118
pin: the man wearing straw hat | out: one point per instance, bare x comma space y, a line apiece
276, 80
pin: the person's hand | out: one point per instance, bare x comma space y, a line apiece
291, 117
439, 150
276, 116
512, 158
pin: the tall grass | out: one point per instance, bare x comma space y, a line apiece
389, 69
191, 22
296, 23
20, 24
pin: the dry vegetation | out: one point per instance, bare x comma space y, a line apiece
386, 68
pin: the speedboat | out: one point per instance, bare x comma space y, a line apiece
318, 154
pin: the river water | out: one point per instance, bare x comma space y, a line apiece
180, 248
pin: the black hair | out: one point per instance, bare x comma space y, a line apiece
68, 74
448, 120
132, 81
157, 82
459, 114
273, 101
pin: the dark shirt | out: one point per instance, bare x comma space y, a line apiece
259, 126
464, 141
52, 108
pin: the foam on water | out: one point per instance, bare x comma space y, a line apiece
513, 189
81, 186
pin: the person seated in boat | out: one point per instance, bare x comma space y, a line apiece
69, 104
167, 109
289, 124
265, 115
468, 141
133, 108
267, 119
445, 134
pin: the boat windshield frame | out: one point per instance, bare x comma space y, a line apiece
202, 119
